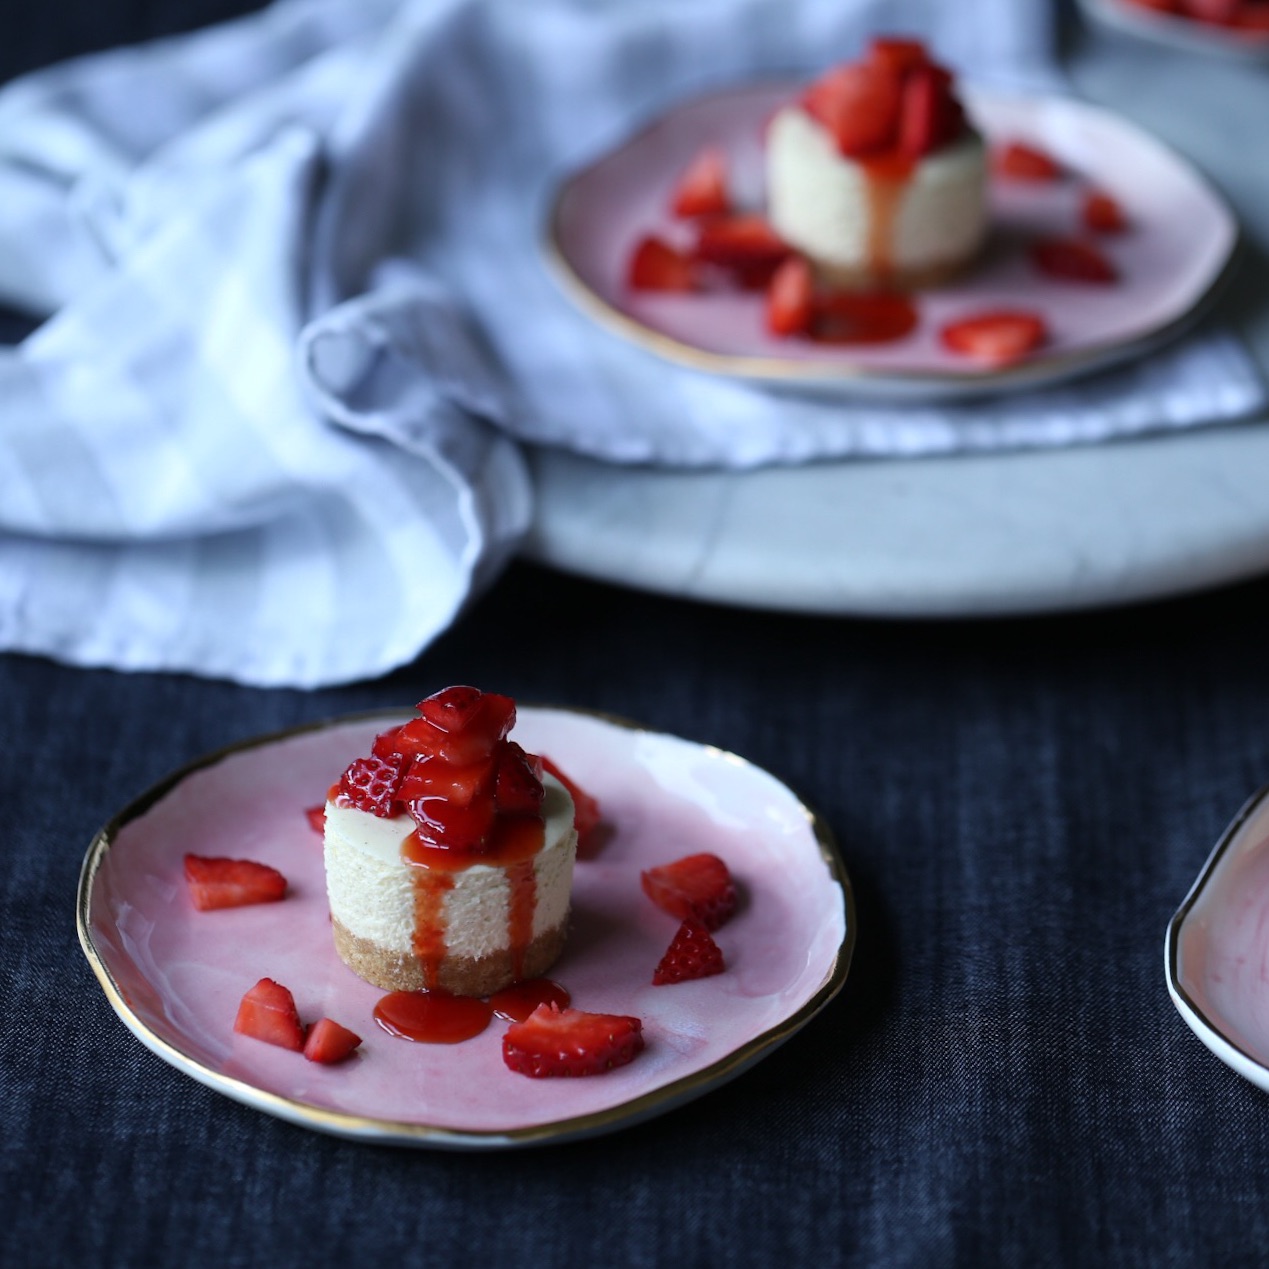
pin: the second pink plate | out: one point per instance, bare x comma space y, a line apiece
1182, 238
175, 975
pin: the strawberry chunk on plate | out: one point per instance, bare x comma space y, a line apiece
997, 338
695, 887
791, 298
1102, 213
745, 245
327, 1042
692, 954
268, 1013
657, 266
217, 882
702, 189
1072, 260
1023, 161
554, 1042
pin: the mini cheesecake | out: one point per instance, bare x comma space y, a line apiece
449, 854
875, 175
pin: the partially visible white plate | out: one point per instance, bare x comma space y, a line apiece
1177, 32
175, 975
1182, 238
1216, 955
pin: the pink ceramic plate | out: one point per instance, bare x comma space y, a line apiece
1217, 949
175, 975
1178, 32
1183, 235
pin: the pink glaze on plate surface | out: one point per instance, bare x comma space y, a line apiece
179, 973
1181, 239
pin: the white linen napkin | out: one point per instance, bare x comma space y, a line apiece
298, 319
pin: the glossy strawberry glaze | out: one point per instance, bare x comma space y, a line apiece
517, 1002
888, 176
514, 843
432, 1017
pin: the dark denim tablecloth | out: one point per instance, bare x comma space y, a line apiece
1021, 804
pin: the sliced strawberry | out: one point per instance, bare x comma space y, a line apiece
1020, 161
561, 1042
316, 816
696, 887
897, 53
450, 827
436, 778
268, 1013
692, 954
929, 116
1072, 260
1217, 12
745, 245
586, 813
517, 789
1102, 213
997, 338
1253, 18
453, 708
464, 736
327, 1042
370, 784
858, 104
657, 266
215, 882
702, 188
862, 317
388, 747
791, 298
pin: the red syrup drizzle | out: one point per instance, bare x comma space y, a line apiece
517, 1002
432, 1017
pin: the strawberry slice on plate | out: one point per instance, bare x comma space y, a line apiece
268, 1013
1023, 161
554, 1042
745, 245
327, 1042
997, 338
217, 882
1072, 260
791, 298
702, 189
692, 954
695, 887
657, 266
1102, 213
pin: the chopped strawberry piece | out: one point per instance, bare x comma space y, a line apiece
863, 317
327, 1042
216, 882
1160, 6
899, 54
517, 790
1020, 161
791, 298
1253, 18
268, 1013
436, 778
453, 708
316, 816
745, 245
467, 731
387, 746
1102, 213
562, 1042
929, 116
997, 338
1072, 260
1217, 12
586, 812
657, 266
702, 189
370, 784
858, 104
692, 954
448, 826
696, 887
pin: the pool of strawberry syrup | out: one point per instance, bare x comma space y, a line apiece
182, 972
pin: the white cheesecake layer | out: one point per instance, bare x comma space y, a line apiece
821, 202
371, 887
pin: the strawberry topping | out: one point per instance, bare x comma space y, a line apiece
554, 1042
997, 338
702, 189
696, 887
216, 882
327, 1042
1072, 260
517, 788
268, 1013
370, 784
859, 105
692, 954
586, 812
